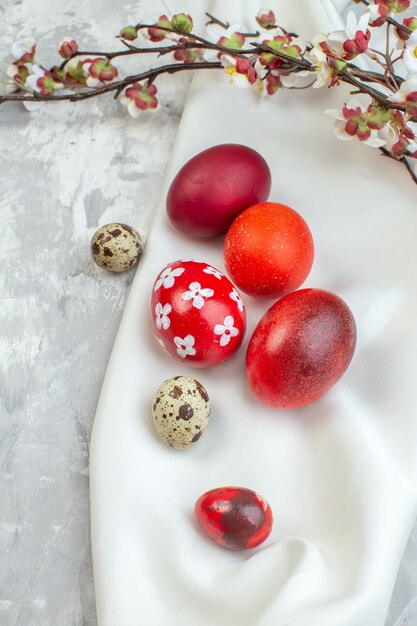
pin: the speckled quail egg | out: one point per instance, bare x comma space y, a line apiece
181, 410
116, 247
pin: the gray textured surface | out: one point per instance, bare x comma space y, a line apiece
65, 171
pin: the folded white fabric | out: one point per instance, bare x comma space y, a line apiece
340, 475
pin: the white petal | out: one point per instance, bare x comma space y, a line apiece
240, 80
178, 271
12, 71
167, 309
234, 332
299, 79
169, 280
351, 25
353, 103
214, 32
195, 286
93, 82
374, 141
337, 38
411, 63
408, 86
228, 322
335, 113
227, 61
134, 112
340, 132
31, 82
189, 341
188, 295
32, 106
219, 329
224, 340
198, 302
363, 23
166, 322
207, 293
37, 70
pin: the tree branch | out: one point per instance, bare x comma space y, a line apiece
116, 86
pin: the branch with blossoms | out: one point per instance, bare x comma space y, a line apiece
383, 79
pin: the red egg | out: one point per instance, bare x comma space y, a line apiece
300, 348
197, 314
269, 250
214, 187
234, 517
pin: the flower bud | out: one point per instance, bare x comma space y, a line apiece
266, 18
154, 33
68, 47
410, 22
182, 22
129, 33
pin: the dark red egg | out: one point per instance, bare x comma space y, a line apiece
234, 517
300, 348
213, 187
197, 314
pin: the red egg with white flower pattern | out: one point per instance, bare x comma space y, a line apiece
197, 314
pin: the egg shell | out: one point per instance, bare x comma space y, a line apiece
234, 517
181, 410
300, 348
213, 187
197, 314
269, 250
116, 247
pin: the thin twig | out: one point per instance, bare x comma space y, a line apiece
402, 160
391, 20
215, 20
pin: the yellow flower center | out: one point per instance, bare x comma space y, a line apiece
415, 51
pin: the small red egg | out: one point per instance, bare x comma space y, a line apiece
197, 314
269, 250
234, 517
300, 348
213, 187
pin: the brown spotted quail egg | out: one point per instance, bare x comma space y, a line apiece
181, 410
116, 247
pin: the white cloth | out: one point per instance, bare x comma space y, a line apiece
340, 475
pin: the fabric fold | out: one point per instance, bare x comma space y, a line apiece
339, 474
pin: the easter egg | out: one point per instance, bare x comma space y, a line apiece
269, 250
213, 187
300, 348
180, 410
197, 314
234, 517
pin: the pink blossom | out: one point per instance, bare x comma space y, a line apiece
187, 55
352, 121
138, 98
349, 43
24, 50
240, 70
407, 96
99, 71
41, 81
154, 33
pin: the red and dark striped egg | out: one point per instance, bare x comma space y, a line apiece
234, 517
